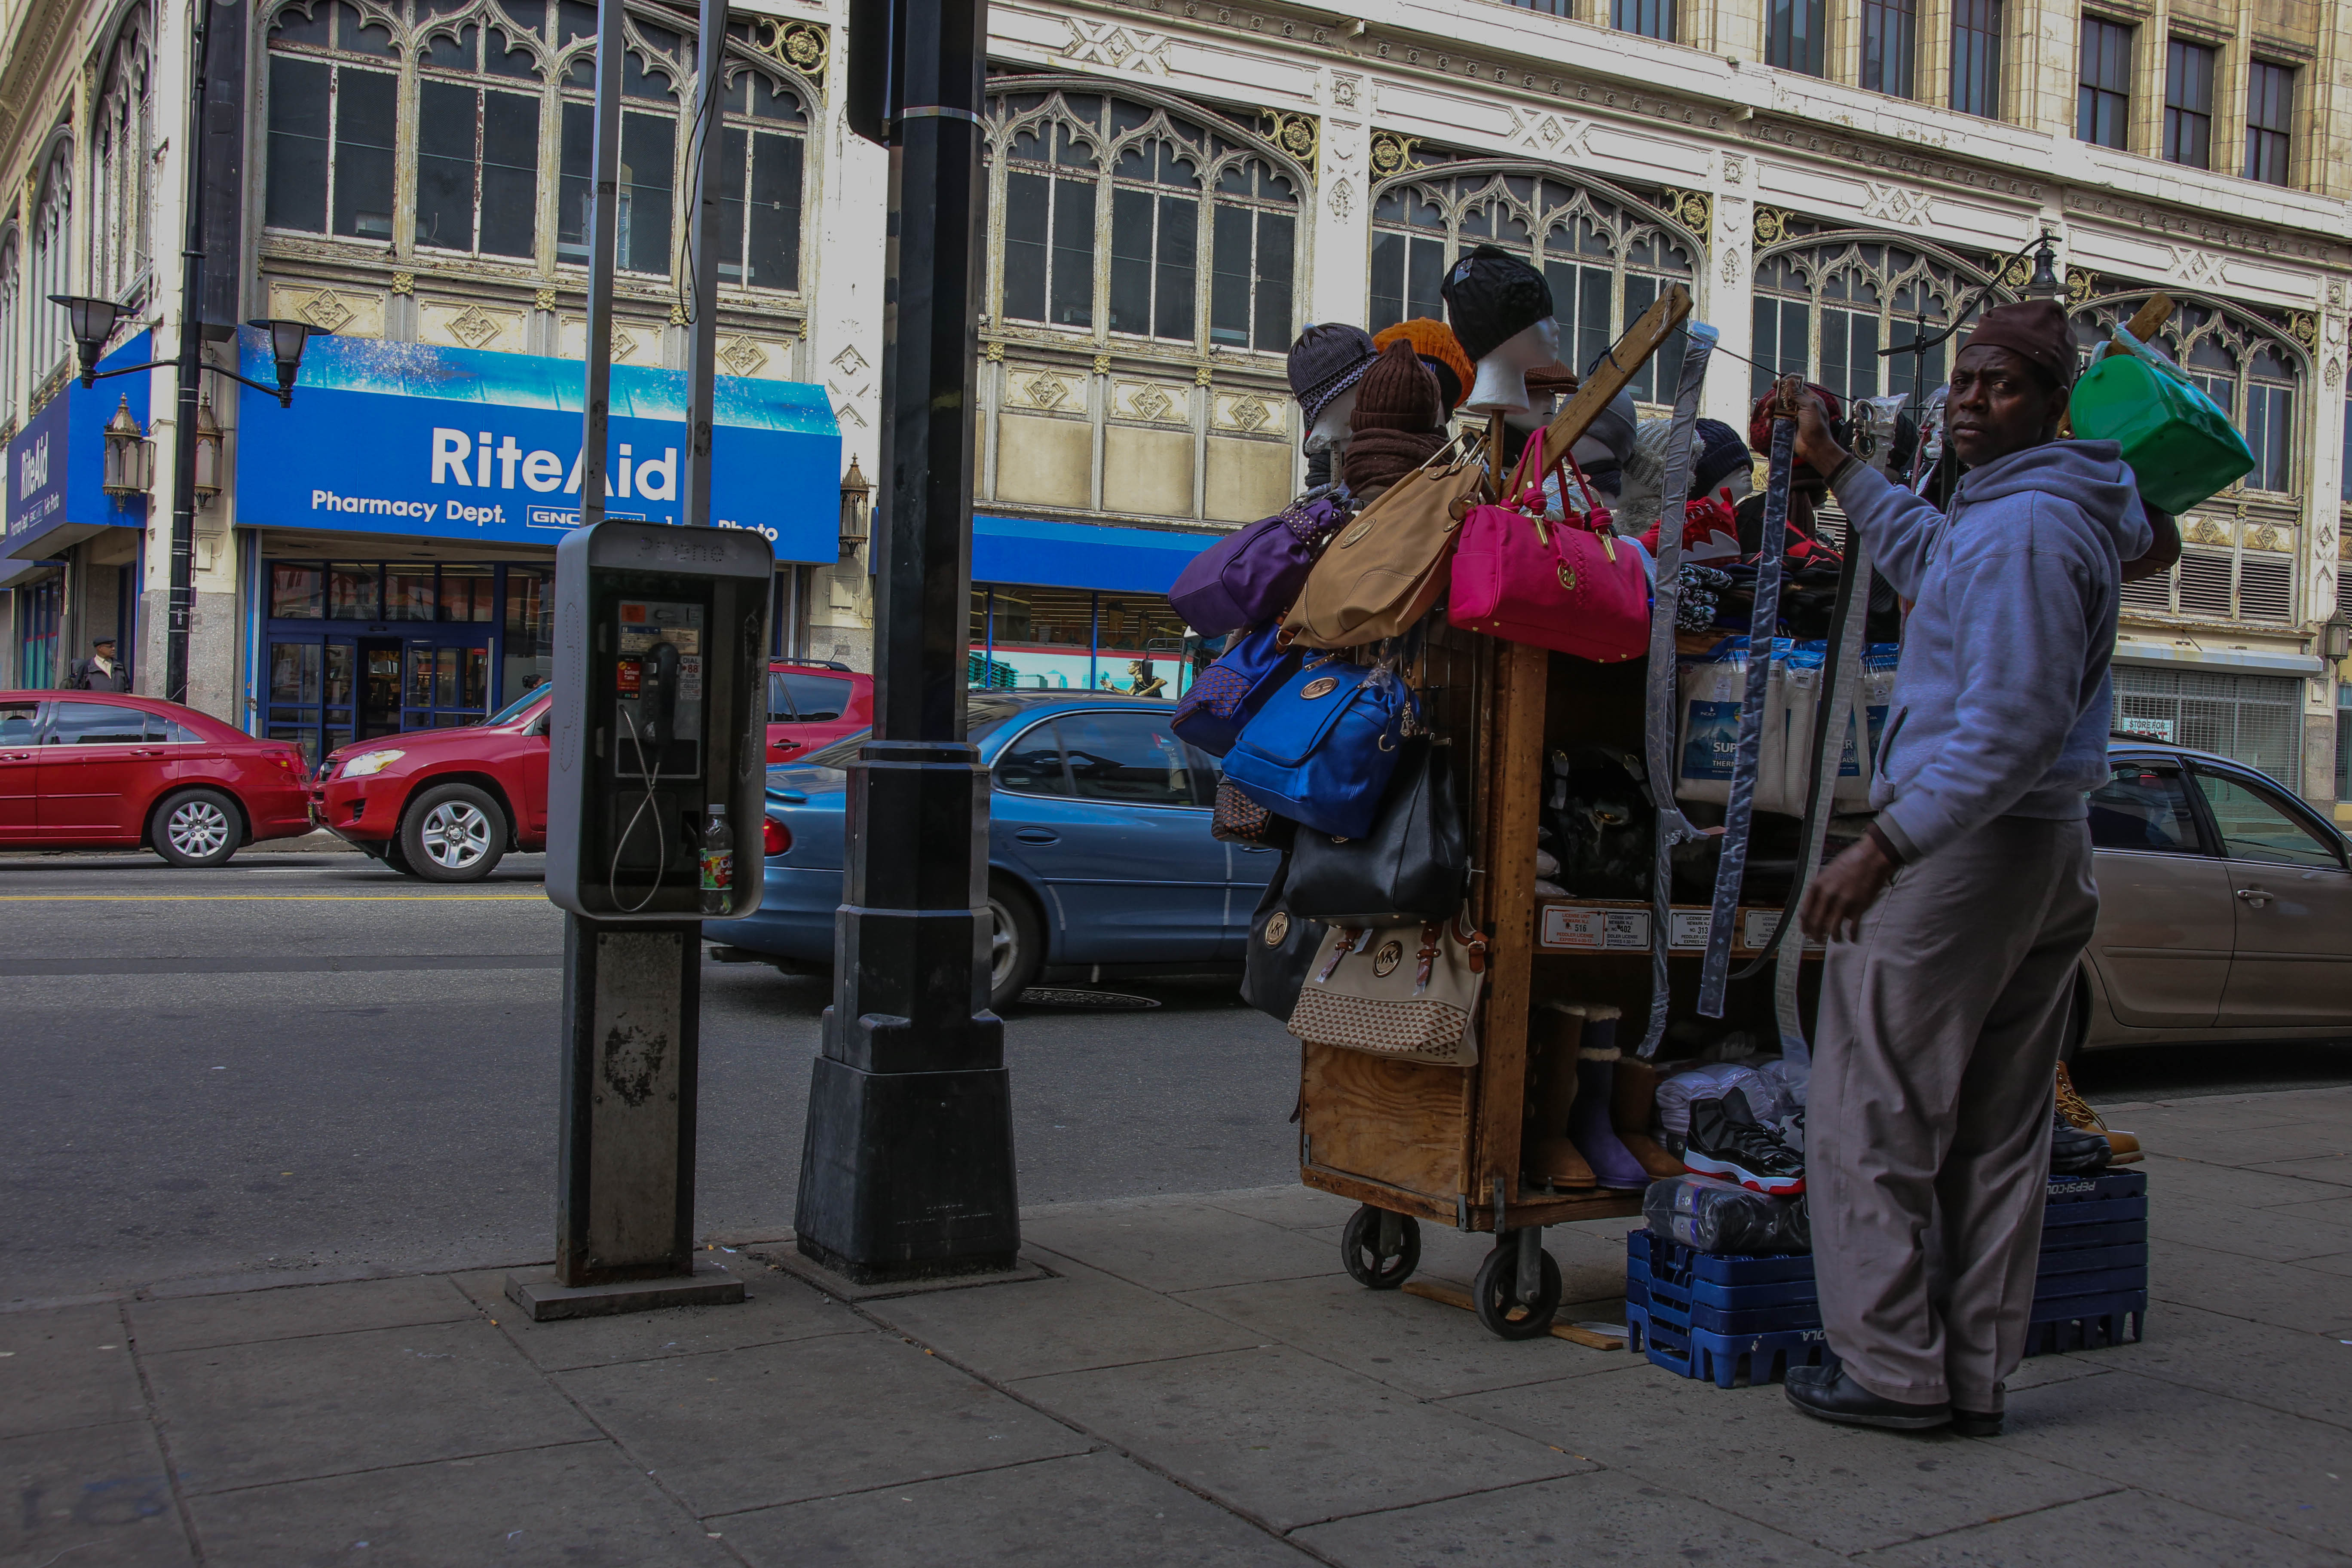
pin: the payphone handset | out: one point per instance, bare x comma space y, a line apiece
658, 749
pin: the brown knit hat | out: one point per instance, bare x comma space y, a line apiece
1398, 393
1439, 350
2033, 330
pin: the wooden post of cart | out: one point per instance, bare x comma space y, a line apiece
1413, 1141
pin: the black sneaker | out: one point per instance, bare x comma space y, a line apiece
2074, 1151
1727, 1141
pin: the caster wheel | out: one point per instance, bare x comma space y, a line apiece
1496, 1295
1360, 1249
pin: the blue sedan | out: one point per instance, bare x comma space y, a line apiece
1100, 862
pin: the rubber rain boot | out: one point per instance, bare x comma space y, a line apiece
1613, 1164
1549, 1158
1632, 1102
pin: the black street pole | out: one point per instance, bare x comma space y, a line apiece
181, 601
907, 1168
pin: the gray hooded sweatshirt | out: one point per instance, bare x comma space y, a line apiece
2002, 703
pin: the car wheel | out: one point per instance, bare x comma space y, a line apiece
396, 859
197, 828
452, 833
1017, 948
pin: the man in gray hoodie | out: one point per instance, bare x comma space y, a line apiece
1955, 926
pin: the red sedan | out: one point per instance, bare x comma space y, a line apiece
447, 805
94, 770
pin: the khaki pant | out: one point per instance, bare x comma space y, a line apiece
1927, 1121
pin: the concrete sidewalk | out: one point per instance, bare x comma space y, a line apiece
1198, 1384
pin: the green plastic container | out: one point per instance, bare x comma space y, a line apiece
2179, 444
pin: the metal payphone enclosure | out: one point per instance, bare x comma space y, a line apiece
660, 713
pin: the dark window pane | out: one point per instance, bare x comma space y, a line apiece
1130, 260
816, 698
2143, 807
636, 81
1276, 241
1126, 757
734, 157
1229, 279
355, 33
775, 237
1641, 293
445, 165
454, 52
2189, 104
508, 55
365, 113
2270, 100
648, 151
1073, 254
509, 173
293, 592
575, 188
1027, 201
293, 27
1650, 19
1976, 56
1425, 272
1180, 247
96, 724
2254, 825
1889, 31
1794, 35
298, 145
1388, 280
1031, 764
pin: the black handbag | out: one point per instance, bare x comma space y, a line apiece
1281, 950
1412, 868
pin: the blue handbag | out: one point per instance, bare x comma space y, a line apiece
1321, 749
1217, 704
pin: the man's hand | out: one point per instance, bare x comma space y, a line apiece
1836, 900
1816, 448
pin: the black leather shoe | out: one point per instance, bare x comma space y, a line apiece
1969, 1424
1827, 1393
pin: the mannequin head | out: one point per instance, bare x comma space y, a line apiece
1330, 431
1501, 312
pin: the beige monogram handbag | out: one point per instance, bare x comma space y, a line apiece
1396, 991
1383, 572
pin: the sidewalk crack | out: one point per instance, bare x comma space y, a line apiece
157, 1428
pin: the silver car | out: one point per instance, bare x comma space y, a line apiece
2225, 907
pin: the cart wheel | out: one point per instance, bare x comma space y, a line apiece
1359, 1249
1496, 1295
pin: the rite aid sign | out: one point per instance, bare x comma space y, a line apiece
466, 444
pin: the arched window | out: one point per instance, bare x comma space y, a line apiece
12, 319
2238, 560
1826, 305
493, 82
1109, 208
121, 138
52, 215
1605, 255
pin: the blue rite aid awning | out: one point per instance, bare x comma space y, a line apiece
447, 443
56, 468
1101, 556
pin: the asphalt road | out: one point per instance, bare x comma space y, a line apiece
304, 1064
307, 1063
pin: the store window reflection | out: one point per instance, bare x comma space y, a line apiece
1073, 639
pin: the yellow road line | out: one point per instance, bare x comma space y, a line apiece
266, 897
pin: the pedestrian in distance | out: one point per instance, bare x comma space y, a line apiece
99, 672
1956, 925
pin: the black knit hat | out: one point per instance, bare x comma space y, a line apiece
1721, 455
1491, 297
1325, 361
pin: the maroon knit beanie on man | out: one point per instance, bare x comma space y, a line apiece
2036, 331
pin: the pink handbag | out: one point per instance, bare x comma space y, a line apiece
1565, 586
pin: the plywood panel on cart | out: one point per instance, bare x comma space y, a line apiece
1508, 845
1402, 1123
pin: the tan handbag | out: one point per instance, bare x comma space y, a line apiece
1397, 991
1384, 571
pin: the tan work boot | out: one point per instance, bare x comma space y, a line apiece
1546, 1157
1633, 1100
2077, 1111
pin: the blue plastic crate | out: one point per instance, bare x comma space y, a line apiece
1685, 1274
1672, 1261
2057, 1219
1727, 1360
2060, 1262
2086, 1322
2112, 1233
2104, 1187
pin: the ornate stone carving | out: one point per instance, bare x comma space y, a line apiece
475, 326
544, 300
1343, 197
1297, 135
1895, 204
1045, 389
1117, 46
803, 46
741, 356
327, 313
404, 282
1771, 225
1392, 154
2080, 285
1345, 91
1694, 210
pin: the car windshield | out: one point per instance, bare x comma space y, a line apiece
981, 719
514, 710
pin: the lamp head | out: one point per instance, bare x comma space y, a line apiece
91, 322
288, 338
2045, 283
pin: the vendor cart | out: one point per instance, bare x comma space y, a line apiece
1412, 1141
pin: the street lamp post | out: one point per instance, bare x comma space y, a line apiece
907, 1167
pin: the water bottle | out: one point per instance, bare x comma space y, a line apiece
717, 861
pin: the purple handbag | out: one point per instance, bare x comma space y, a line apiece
1217, 704
1253, 574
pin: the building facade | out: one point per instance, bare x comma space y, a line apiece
1175, 187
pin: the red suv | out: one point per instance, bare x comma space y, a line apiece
95, 770
446, 805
